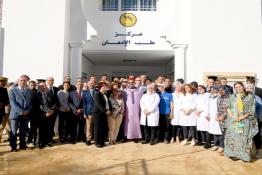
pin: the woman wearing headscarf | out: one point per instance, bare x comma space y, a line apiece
241, 125
223, 102
257, 139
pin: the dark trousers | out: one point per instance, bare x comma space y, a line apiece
54, 116
81, 128
219, 141
205, 137
100, 121
63, 125
77, 127
176, 131
189, 131
34, 132
46, 129
20, 123
165, 128
257, 137
149, 132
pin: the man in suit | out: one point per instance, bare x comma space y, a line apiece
224, 82
53, 90
258, 91
4, 105
88, 105
76, 106
21, 103
47, 107
4, 100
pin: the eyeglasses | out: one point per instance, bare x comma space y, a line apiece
131, 82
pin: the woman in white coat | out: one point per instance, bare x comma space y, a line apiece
188, 117
150, 114
201, 112
177, 100
214, 126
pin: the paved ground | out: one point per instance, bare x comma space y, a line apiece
127, 158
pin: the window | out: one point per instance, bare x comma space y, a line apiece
148, 5
110, 5
129, 5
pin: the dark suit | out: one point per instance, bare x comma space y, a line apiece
258, 92
46, 101
20, 102
230, 89
100, 119
4, 101
76, 103
54, 91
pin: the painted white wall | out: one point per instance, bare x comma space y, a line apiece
87, 67
227, 37
34, 38
152, 24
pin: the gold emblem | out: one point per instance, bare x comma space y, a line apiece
128, 19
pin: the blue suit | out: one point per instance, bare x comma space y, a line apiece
75, 104
88, 102
20, 102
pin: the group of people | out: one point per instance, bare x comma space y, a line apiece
217, 116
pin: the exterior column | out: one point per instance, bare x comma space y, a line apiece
75, 61
180, 61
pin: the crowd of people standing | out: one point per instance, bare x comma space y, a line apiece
219, 117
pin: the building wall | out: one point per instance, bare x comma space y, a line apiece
226, 37
34, 38
152, 24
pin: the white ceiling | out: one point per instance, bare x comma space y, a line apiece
122, 58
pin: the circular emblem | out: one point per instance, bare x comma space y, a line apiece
128, 19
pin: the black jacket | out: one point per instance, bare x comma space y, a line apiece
258, 92
4, 100
100, 103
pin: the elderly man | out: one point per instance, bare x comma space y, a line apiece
21, 103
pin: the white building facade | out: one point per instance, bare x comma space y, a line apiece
189, 39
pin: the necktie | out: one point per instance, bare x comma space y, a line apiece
79, 95
23, 92
51, 90
44, 98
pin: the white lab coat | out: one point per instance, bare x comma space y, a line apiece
150, 102
177, 100
202, 105
188, 102
214, 127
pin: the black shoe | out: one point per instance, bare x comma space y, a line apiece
145, 142
62, 140
207, 146
73, 142
49, 144
14, 150
135, 140
88, 143
199, 144
23, 148
152, 143
234, 158
53, 141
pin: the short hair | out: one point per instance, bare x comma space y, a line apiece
31, 81
251, 80
66, 82
180, 80
101, 84
203, 87
113, 84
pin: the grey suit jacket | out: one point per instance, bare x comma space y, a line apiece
19, 103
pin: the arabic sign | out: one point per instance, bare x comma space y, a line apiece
128, 19
127, 40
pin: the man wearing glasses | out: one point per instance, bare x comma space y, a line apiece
132, 96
